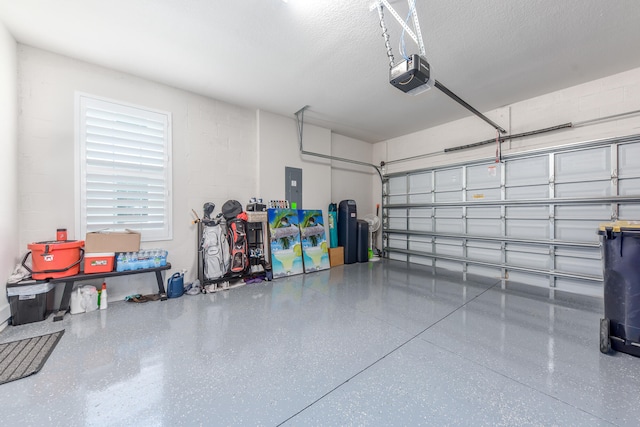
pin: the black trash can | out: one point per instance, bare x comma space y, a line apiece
620, 328
348, 230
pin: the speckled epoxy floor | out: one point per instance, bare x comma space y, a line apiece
365, 344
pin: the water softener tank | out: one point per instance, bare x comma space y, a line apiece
348, 230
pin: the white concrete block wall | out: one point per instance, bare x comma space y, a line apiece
278, 147
214, 151
8, 166
351, 181
220, 152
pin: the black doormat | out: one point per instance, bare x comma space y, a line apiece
19, 359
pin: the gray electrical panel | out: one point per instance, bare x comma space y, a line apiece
293, 186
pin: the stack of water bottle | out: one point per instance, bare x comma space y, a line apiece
148, 258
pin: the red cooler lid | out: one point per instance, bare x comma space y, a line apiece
56, 245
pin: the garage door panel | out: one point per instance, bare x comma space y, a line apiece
485, 254
628, 164
484, 176
522, 259
449, 196
629, 212
529, 279
484, 271
526, 212
449, 180
592, 254
531, 229
629, 186
528, 193
398, 243
480, 244
398, 184
446, 225
448, 241
420, 224
579, 266
449, 265
397, 190
483, 194
583, 165
397, 223
587, 288
420, 219
529, 171
483, 212
451, 248
421, 260
584, 189
397, 257
420, 188
484, 227
528, 248
420, 198
596, 212
421, 182
577, 231
397, 200
420, 244
448, 212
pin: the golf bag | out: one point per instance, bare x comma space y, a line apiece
215, 250
237, 236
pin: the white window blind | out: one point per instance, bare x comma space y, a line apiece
125, 169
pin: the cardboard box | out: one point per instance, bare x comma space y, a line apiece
336, 256
112, 241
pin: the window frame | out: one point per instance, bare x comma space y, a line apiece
84, 100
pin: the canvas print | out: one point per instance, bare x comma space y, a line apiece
314, 243
286, 248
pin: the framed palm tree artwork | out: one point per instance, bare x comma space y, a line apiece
314, 242
286, 248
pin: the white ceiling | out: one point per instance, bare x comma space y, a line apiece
330, 55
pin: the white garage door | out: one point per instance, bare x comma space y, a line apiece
533, 218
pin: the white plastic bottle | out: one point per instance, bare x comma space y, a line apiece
103, 297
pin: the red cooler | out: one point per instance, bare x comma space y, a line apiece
55, 259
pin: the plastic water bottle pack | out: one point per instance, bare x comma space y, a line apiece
146, 258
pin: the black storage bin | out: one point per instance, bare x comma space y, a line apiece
30, 301
363, 241
620, 328
347, 230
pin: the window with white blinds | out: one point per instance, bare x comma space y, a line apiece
125, 168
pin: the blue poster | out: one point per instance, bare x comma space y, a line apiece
314, 243
286, 248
